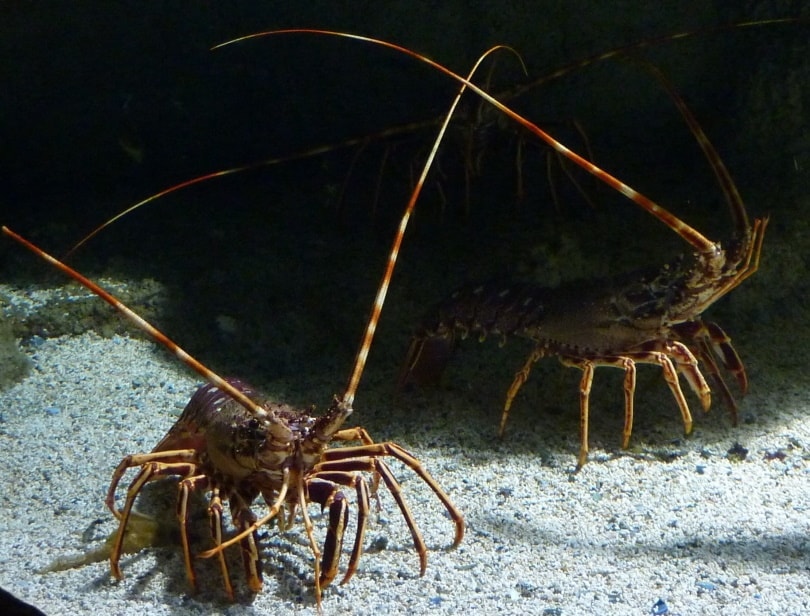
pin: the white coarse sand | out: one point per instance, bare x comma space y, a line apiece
703, 531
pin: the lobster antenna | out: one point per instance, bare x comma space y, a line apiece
222, 173
403, 128
208, 374
721, 173
700, 242
643, 44
193, 363
368, 336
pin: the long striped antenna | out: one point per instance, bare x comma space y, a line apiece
400, 129
193, 363
365, 344
208, 374
700, 242
733, 198
639, 45
267, 162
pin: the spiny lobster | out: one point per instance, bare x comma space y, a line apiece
649, 316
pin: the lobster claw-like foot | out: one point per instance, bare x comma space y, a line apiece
710, 343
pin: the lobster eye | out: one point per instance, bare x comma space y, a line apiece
252, 431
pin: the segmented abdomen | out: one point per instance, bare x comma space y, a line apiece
578, 319
489, 308
483, 309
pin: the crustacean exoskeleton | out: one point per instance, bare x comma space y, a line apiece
651, 316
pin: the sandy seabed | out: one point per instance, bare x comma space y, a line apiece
704, 532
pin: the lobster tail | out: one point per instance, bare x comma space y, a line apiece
428, 356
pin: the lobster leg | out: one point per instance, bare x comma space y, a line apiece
711, 341
333, 544
722, 347
244, 518
324, 489
671, 378
215, 520
184, 462
309, 528
372, 464
326, 492
149, 472
363, 507
521, 376
587, 366
258, 523
361, 434
184, 490
167, 457
354, 434
683, 358
389, 449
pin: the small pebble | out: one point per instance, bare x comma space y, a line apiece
380, 542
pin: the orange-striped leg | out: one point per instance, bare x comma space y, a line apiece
521, 376
587, 366
711, 342
184, 490
149, 472
722, 347
369, 455
361, 434
274, 503
629, 367
215, 523
670, 374
357, 433
131, 461
244, 518
361, 486
686, 362
309, 529
325, 490
343, 460
584, 411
